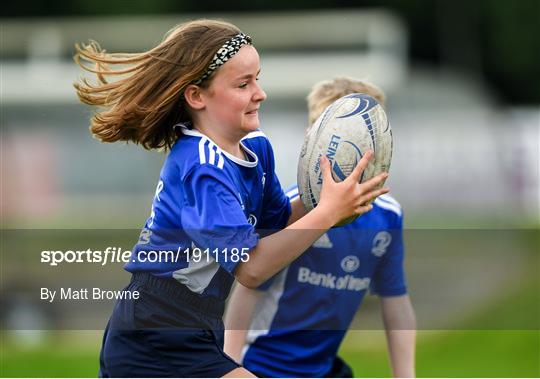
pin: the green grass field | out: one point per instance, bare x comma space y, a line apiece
497, 353
473, 351
440, 354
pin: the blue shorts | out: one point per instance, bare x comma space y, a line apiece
340, 369
168, 332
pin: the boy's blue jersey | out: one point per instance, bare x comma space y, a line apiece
205, 210
306, 309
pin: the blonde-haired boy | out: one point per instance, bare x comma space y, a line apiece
298, 319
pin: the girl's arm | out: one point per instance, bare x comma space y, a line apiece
338, 201
400, 325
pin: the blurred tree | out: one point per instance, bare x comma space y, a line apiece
512, 48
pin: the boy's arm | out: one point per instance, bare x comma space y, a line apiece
238, 319
297, 210
400, 325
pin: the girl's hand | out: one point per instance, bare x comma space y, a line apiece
349, 198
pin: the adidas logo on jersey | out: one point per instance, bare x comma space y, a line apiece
323, 242
328, 280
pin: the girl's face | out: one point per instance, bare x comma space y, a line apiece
233, 98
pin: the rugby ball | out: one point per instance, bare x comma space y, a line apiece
346, 129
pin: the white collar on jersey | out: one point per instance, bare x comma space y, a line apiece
242, 162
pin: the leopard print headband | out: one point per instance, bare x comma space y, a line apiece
226, 52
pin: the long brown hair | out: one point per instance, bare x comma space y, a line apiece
145, 98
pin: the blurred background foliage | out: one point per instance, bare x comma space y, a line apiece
496, 39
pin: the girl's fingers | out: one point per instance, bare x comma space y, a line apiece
326, 170
361, 166
373, 195
363, 209
375, 181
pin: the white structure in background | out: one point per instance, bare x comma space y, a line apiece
298, 49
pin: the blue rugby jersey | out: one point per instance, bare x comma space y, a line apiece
306, 309
205, 210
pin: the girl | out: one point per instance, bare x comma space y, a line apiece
196, 94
